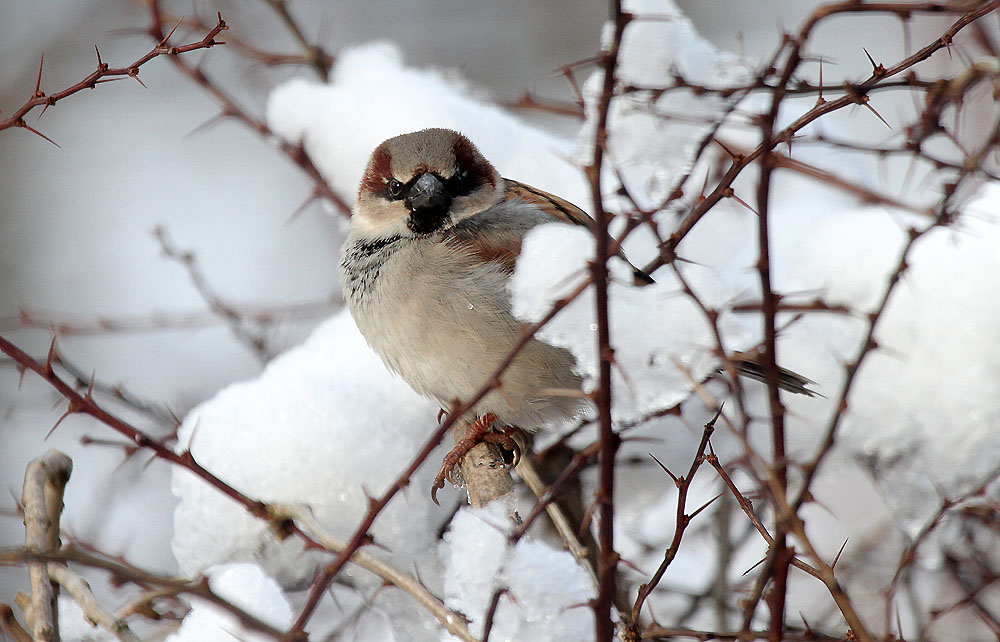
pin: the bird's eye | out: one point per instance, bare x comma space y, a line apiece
395, 188
457, 183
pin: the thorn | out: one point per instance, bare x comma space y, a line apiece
56, 425
167, 37
48, 103
946, 41
101, 65
678, 481
52, 356
74, 407
747, 572
729, 193
864, 101
706, 505
31, 129
878, 69
871, 60
837, 559
718, 413
218, 118
820, 100
736, 157
302, 208
134, 72
38, 83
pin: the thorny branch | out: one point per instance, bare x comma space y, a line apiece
105, 73
607, 565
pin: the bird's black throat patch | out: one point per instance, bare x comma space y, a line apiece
427, 221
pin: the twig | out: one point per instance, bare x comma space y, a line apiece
662, 632
533, 481
127, 573
451, 620
106, 73
682, 519
10, 627
63, 323
80, 590
319, 59
747, 507
255, 341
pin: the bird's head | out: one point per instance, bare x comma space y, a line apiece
418, 183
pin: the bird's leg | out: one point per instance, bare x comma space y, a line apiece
474, 435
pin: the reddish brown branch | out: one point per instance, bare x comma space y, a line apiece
106, 73
681, 521
84, 403
607, 564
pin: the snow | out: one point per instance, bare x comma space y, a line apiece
547, 592
245, 586
931, 389
655, 328
74, 625
323, 423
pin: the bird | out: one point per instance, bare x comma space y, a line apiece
433, 241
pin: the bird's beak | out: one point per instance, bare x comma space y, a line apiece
428, 194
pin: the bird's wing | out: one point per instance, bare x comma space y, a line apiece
562, 210
558, 208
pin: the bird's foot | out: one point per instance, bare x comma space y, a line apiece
509, 438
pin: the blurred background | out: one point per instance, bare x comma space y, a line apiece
77, 247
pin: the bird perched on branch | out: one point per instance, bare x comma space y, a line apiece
433, 242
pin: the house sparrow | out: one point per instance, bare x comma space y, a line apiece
433, 242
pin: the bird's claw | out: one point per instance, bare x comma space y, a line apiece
510, 439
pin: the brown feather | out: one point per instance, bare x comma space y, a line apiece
562, 210
558, 208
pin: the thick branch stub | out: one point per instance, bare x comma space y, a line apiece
42, 497
484, 471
